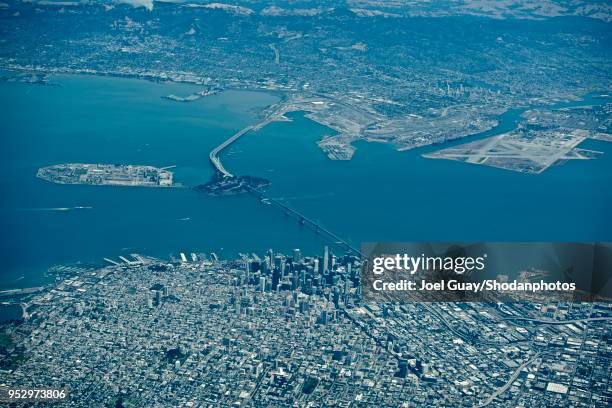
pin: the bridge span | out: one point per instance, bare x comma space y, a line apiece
213, 156
315, 226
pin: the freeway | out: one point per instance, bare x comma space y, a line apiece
214, 154
559, 322
507, 385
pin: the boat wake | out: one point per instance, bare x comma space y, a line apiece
56, 208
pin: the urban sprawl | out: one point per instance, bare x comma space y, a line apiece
292, 331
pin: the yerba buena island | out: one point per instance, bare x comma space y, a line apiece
195, 194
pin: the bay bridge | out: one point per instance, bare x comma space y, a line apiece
302, 219
213, 156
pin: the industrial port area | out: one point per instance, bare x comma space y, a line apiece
292, 330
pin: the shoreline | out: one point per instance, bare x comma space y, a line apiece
336, 147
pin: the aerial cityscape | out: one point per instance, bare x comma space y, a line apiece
308, 127
290, 330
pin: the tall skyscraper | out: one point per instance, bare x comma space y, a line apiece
271, 256
237, 304
279, 264
247, 272
294, 281
297, 256
326, 259
276, 275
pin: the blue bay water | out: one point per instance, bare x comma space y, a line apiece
110, 120
381, 194
385, 195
